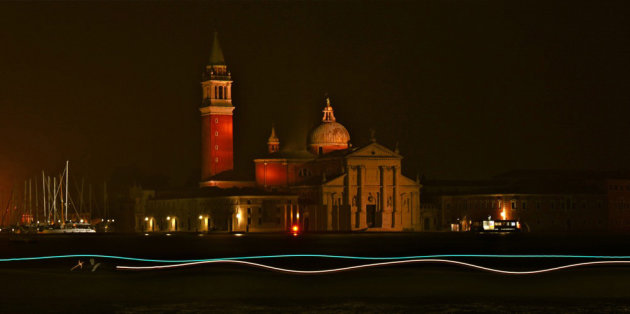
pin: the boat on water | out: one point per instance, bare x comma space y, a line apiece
70, 227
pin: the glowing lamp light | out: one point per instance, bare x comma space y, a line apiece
238, 215
503, 215
295, 228
200, 217
168, 217
297, 215
113, 220
146, 218
81, 220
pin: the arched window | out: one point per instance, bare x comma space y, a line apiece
220, 92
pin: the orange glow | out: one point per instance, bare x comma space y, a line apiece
503, 214
295, 228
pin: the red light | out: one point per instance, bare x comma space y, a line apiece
295, 228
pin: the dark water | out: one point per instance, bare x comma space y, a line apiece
393, 244
51, 286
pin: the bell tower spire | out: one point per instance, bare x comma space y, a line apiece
273, 143
216, 115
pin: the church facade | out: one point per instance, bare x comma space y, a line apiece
330, 185
341, 187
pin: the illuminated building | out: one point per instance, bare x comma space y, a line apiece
328, 186
544, 201
212, 208
341, 187
216, 117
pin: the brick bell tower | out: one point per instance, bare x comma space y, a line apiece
216, 116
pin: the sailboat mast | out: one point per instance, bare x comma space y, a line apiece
67, 175
24, 201
55, 199
30, 200
81, 199
36, 202
44, 195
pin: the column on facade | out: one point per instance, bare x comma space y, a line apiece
383, 193
347, 200
395, 198
361, 196
329, 217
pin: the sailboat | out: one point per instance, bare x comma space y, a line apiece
67, 226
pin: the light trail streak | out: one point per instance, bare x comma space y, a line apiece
392, 258
372, 265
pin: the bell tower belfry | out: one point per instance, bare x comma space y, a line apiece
273, 143
216, 116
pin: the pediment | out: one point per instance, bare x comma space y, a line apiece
374, 150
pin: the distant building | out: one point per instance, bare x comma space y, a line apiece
209, 209
544, 201
329, 186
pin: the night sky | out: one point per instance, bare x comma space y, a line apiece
469, 89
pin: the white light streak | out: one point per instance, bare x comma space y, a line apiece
372, 265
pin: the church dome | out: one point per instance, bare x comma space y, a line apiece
329, 135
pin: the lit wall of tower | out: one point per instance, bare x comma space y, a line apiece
217, 154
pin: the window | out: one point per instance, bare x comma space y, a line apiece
216, 133
513, 204
216, 159
216, 120
216, 147
304, 172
